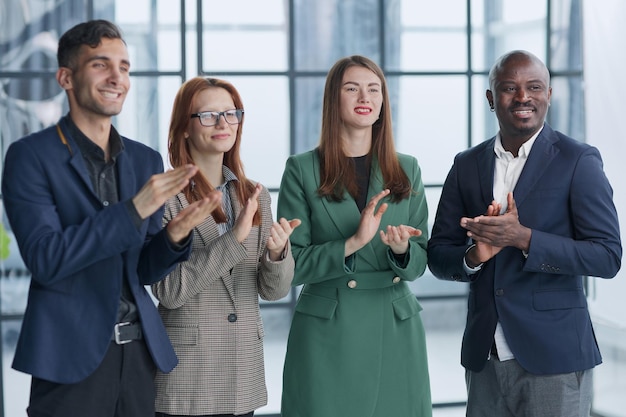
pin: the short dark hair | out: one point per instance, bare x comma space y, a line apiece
87, 33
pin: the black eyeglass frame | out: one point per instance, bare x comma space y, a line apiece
238, 112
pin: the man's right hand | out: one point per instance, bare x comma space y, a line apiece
160, 187
494, 231
180, 226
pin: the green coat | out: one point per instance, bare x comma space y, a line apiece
356, 347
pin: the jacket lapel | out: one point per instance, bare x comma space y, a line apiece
343, 214
126, 177
229, 282
541, 154
207, 231
485, 165
76, 158
368, 252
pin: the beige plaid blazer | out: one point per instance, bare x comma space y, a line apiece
210, 308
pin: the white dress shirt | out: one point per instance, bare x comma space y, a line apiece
508, 169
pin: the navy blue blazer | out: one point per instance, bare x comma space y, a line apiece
564, 196
78, 252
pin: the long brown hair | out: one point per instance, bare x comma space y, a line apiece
336, 169
178, 145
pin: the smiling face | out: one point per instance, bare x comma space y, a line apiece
216, 139
99, 81
361, 98
520, 94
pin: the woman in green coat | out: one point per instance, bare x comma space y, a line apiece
356, 346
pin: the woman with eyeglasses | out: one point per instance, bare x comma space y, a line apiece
356, 345
209, 304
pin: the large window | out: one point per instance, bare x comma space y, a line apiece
436, 55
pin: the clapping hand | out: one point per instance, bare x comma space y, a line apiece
368, 225
397, 237
494, 231
180, 226
279, 235
160, 187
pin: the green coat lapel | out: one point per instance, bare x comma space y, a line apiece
345, 214
368, 253
342, 214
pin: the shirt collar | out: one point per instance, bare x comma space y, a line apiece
228, 176
87, 146
524, 150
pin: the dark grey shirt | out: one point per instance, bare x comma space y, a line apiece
103, 175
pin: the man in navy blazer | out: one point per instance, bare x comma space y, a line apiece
522, 218
86, 207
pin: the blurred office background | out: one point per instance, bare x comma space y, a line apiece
436, 55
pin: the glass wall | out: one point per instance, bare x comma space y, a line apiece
436, 55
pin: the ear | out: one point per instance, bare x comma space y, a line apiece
489, 96
64, 78
549, 94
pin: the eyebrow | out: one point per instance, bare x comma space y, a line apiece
355, 83
532, 80
106, 58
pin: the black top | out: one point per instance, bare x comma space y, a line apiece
362, 169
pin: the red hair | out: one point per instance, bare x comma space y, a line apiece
178, 145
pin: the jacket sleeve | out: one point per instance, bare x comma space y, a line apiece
207, 263
417, 218
46, 207
592, 244
315, 262
448, 241
274, 278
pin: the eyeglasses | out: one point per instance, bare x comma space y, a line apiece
211, 118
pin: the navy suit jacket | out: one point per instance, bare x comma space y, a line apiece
78, 252
564, 196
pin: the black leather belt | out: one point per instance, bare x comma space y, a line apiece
126, 332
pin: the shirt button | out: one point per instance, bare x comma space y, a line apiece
352, 283
232, 317
105, 203
396, 280
499, 292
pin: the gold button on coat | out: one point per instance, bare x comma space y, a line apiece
352, 283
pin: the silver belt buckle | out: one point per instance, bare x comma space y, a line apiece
116, 331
